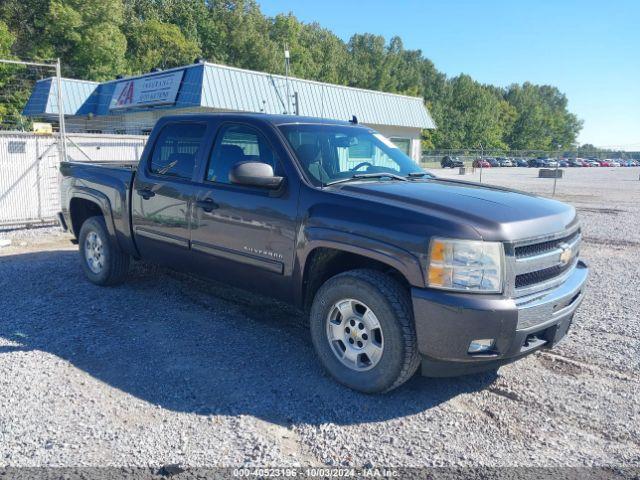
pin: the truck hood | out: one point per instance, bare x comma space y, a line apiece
495, 213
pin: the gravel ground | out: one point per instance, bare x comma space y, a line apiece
168, 369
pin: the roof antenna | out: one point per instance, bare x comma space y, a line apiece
354, 120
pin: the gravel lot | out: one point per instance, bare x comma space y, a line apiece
168, 369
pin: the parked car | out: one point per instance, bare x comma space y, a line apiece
493, 162
504, 162
574, 162
451, 162
521, 162
537, 163
563, 163
397, 269
552, 163
481, 163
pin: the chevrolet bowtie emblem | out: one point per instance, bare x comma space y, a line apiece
565, 256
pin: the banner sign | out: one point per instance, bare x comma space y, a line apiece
160, 89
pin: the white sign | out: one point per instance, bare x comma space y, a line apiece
160, 89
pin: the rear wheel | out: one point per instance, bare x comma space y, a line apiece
363, 331
102, 261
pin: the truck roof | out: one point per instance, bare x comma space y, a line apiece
263, 117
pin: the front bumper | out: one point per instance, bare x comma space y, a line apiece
446, 323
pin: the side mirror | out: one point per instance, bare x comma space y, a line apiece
255, 174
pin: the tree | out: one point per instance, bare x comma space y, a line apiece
87, 35
470, 114
7, 40
542, 120
157, 44
95, 42
240, 36
14, 86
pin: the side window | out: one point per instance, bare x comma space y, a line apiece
176, 149
235, 144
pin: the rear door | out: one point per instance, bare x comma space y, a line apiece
240, 234
163, 193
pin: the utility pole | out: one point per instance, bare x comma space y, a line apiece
555, 176
481, 160
286, 75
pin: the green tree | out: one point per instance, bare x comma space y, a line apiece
542, 119
157, 44
470, 114
95, 42
86, 35
14, 85
239, 35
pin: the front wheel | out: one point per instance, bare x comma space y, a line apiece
102, 261
363, 332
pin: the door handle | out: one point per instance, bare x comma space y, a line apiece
207, 204
146, 193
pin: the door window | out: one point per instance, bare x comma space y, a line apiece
403, 144
236, 144
176, 149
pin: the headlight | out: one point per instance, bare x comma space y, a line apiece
465, 265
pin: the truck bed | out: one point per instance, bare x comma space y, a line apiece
107, 184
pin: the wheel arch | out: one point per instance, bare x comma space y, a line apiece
328, 253
86, 203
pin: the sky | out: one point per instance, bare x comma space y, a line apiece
589, 49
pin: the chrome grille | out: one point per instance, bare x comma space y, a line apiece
538, 248
531, 278
542, 263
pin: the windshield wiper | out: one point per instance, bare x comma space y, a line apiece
359, 176
419, 174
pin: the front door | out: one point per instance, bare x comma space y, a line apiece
245, 235
163, 192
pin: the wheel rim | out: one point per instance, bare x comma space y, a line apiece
93, 252
355, 335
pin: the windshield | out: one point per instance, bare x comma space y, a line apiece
331, 153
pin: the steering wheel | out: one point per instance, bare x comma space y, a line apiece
360, 165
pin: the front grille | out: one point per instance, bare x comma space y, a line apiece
538, 248
526, 279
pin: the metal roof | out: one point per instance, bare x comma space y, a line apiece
44, 98
248, 91
228, 88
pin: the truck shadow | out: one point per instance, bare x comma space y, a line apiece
191, 346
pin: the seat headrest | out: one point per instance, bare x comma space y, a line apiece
233, 152
308, 153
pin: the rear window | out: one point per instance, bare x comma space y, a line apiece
176, 150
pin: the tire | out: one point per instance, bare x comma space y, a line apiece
102, 261
394, 353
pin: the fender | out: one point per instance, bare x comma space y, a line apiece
317, 237
104, 203
101, 200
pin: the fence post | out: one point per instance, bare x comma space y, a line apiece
62, 128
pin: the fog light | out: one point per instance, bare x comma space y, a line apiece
481, 345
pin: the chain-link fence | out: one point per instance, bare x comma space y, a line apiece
31, 148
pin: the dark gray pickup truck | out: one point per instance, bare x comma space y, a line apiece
396, 269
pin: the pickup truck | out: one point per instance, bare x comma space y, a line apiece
396, 269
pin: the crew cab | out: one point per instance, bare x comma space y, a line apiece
396, 269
